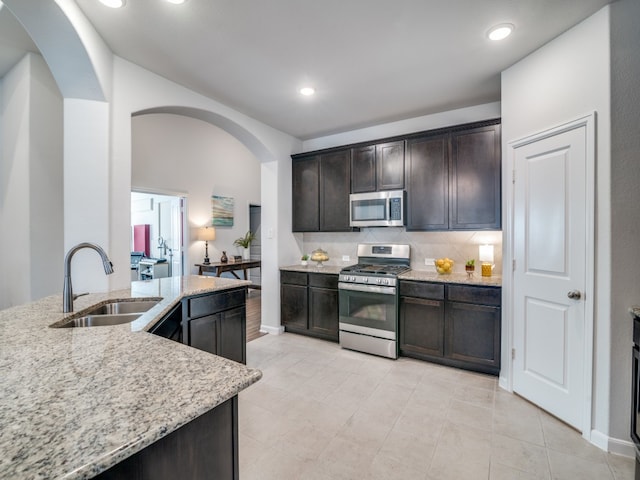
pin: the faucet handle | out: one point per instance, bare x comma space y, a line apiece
76, 295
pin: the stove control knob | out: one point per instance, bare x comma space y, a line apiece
378, 281
365, 280
353, 278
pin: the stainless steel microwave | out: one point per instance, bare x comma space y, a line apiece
377, 209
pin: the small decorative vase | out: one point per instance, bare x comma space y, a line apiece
246, 254
224, 258
304, 263
470, 269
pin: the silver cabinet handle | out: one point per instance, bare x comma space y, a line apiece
574, 295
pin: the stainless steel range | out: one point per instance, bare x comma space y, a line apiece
368, 299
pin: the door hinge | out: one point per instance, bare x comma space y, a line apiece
513, 354
513, 265
513, 176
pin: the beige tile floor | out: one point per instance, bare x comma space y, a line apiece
321, 412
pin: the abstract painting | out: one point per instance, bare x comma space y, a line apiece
222, 211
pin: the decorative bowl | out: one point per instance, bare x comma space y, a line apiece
443, 266
319, 256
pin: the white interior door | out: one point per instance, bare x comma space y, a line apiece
551, 248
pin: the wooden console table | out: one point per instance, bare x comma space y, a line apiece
232, 267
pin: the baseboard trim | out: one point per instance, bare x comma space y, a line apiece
279, 330
616, 446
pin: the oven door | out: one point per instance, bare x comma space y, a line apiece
368, 310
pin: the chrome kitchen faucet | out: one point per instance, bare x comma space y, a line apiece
67, 293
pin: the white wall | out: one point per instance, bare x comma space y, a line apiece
566, 79
459, 116
31, 183
137, 90
625, 199
181, 154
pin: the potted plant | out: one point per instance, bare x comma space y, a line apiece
245, 243
304, 260
470, 266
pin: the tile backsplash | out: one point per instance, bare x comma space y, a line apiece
460, 246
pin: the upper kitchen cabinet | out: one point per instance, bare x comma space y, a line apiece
427, 180
320, 192
335, 169
377, 167
475, 191
306, 194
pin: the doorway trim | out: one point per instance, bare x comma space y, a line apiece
587, 121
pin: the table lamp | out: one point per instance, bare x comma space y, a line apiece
208, 234
485, 256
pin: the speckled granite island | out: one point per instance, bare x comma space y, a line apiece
77, 401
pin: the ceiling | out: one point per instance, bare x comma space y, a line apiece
370, 61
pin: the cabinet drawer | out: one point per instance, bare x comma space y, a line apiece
478, 295
323, 280
422, 289
212, 303
293, 278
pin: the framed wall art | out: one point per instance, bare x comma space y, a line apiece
221, 211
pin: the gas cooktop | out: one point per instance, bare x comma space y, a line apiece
373, 269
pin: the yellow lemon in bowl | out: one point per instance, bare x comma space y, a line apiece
443, 265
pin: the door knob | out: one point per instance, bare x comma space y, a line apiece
574, 295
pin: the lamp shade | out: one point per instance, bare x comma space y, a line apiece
207, 233
486, 253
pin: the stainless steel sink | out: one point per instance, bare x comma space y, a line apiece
122, 307
100, 320
115, 312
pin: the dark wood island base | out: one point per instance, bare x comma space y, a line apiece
205, 448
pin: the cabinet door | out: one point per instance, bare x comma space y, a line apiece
421, 327
363, 169
390, 165
335, 172
475, 179
203, 333
323, 312
473, 335
293, 306
232, 335
427, 180
305, 194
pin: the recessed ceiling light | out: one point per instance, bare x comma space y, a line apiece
113, 3
177, 2
306, 91
500, 32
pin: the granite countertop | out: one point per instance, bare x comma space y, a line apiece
76, 401
312, 268
462, 277
417, 275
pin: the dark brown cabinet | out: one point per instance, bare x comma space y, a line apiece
363, 169
377, 167
457, 325
216, 323
306, 194
335, 171
320, 192
475, 191
453, 180
427, 166
421, 319
309, 304
206, 447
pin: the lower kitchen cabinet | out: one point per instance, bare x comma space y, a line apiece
206, 447
309, 304
216, 323
457, 325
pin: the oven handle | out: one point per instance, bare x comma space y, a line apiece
357, 287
